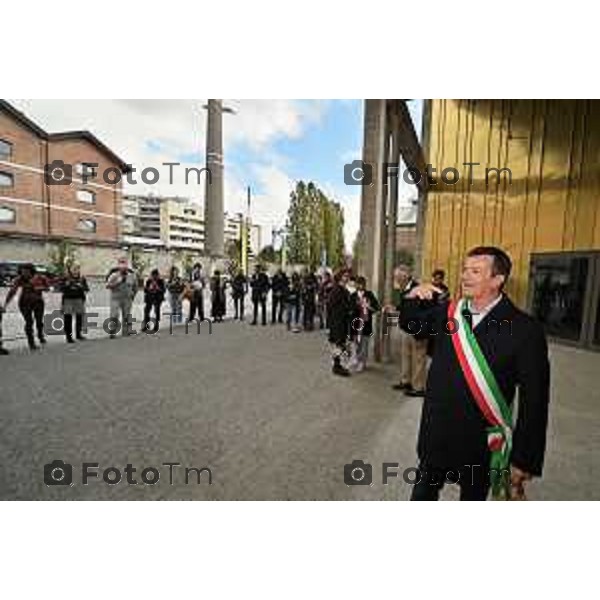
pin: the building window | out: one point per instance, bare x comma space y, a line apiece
5, 150
6, 179
86, 196
7, 215
87, 225
89, 170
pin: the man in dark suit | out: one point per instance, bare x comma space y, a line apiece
260, 285
454, 443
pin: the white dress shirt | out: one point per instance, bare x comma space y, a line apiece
480, 315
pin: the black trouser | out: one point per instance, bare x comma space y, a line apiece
238, 302
277, 302
262, 301
473, 481
69, 325
148, 307
33, 311
197, 304
309, 315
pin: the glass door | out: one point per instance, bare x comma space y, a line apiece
560, 286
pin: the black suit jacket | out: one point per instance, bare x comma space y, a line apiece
453, 431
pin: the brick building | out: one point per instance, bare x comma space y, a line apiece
86, 210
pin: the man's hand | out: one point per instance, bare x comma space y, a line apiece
517, 483
425, 291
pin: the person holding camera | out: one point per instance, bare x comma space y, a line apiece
74, 288
31, 301
154, 295
122, 284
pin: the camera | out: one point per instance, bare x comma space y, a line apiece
58, 173
58, 473
358, 473
54, 323
358, 173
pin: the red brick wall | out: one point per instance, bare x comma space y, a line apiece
107, 204
28, 149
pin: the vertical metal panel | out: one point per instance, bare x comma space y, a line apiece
553, 204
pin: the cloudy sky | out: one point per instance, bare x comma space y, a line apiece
268, 145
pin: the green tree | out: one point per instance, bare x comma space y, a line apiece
233, 250
62, 257
315, 227
268, 255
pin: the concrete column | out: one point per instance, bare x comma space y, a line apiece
372, 195
214, 220
392, 219
373, 204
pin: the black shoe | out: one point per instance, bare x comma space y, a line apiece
402, 387
42, 340
70, 340
81, 338
33, 347
415, 393
253, 323
4, 352
339, 370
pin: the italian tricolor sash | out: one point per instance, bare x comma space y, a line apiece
488, 396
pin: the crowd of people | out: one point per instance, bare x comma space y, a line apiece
303, 301
340, 302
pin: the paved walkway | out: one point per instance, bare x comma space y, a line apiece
257, 405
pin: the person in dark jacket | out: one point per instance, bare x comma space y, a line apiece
279, 288
31, 301
154, 295
455, 434
260, 289
325, 285
74, 288
339, 311
293, 303
310, 287
239, 289
218, 297
364, 305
